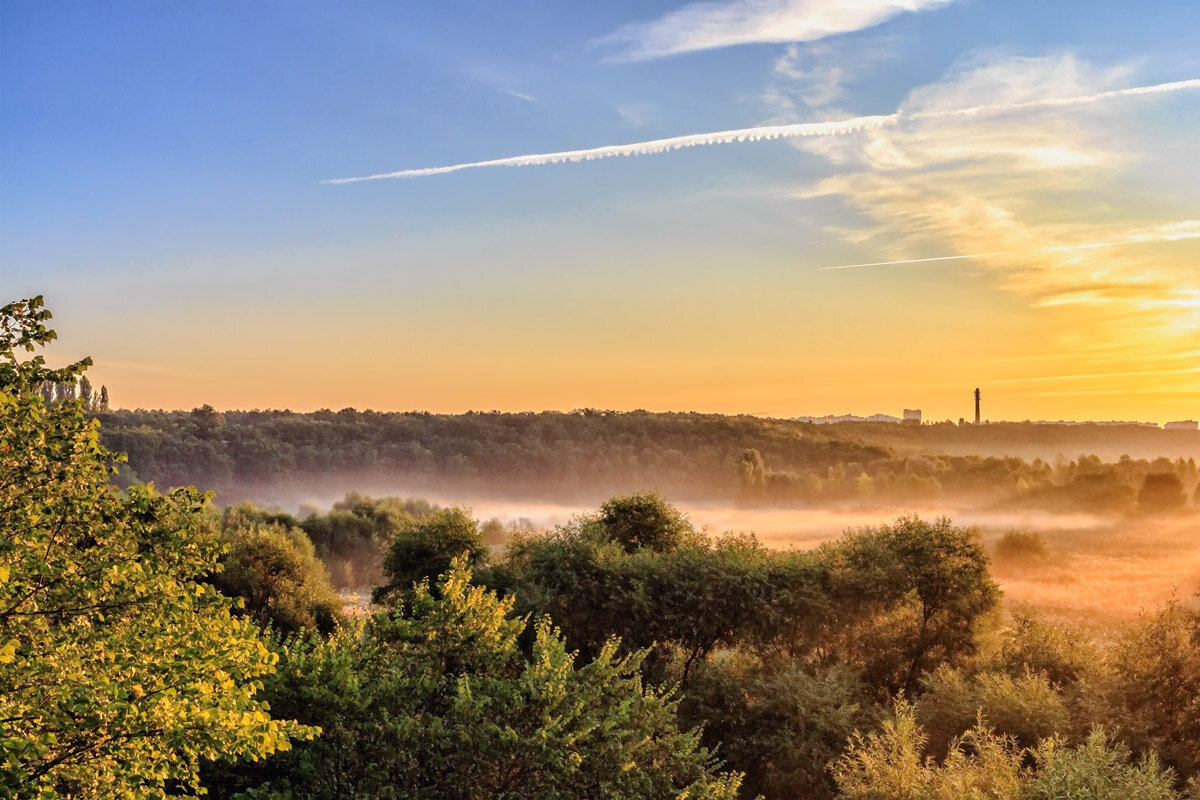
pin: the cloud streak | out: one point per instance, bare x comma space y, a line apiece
710, 25
1058, 207
1168, 232
775, 132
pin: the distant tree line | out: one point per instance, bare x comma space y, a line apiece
1084, 484
580, 455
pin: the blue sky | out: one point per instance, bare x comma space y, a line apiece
163, 168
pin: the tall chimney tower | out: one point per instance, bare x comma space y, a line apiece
976, 406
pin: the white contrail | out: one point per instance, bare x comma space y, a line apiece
769, 132
916, 260
653, 146
1167, 232
1054, 102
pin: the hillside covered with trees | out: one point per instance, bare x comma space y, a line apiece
584, 456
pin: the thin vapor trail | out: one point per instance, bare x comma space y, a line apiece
1170, 232
764, 133
770, 132
916, 260
1055, 102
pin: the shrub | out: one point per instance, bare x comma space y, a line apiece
1161, 492
1096, 770
279, 579
421, 550
1154, 700
778, 722
645, 521
436, 700
1026, 708
1020, 547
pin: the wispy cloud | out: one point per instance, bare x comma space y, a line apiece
808, 78
1049, 204
1167, 232
793, 131
519, 95
709, 25
636, 115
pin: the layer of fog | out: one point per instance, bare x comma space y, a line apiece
775, 527
1097, 569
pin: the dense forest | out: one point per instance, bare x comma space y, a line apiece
586, 455
156, 645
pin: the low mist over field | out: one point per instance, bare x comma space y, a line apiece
1094, 569
1117, 532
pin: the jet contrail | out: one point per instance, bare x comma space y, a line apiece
653, 146
917, 260
1053, 102
1168, 232
769, 132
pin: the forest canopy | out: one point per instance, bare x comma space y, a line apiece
586, 455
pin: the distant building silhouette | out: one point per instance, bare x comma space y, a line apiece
976, 406
1183, 425
832, 419
912, 415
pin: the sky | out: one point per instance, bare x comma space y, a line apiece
1021, 180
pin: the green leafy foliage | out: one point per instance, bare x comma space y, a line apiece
1096, 770
354, 536
1154, 694
911, 595
709, 592
272, 567
120, 669
645, 521
423, 549
890, 764
777, 721
890, 602
438, 700
1026, 708
1066, 654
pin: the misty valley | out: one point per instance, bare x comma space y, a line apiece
633, 400
588, 604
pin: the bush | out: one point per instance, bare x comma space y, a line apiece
645, 521
280, 580
1096, 770
422, 550
1020, 547
891, 765
1026, 708
777, 722
1060, 650
1154, 700
1161, 492
353, 537
437, 701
